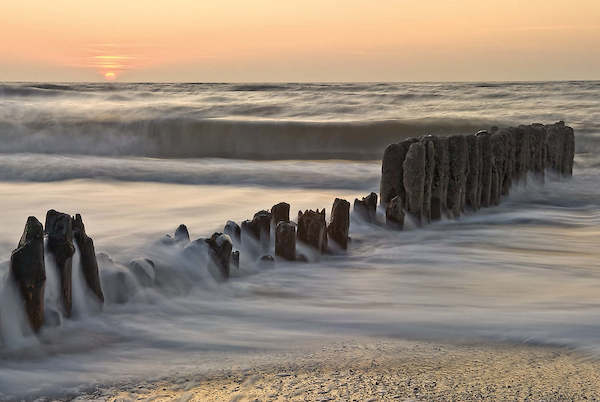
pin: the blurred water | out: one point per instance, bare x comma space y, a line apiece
297, 121
525, 271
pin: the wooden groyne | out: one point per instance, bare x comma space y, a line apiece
426, 178
28, 265
429, 177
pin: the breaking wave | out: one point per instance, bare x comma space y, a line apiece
272, 121
188, 138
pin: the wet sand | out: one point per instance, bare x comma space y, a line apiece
381, 370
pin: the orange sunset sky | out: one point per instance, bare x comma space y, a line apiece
325, 40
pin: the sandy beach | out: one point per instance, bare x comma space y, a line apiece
381, 370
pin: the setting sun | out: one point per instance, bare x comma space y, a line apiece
110, 76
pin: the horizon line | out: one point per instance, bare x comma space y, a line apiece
300, 82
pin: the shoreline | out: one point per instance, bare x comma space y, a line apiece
384, 369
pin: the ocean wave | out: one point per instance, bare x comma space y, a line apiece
27, 91
190, 138
297, 174
260, 87
274, 120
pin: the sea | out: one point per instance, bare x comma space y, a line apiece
138, 159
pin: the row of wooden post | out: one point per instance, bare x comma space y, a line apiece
429, 177
28, 265
426, 177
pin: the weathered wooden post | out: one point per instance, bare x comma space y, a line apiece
473, 192
89, 262
392, 172
439, 186
312, 229
219, 250
59, 229
366, 208
28, 271
285, 240
339, 223
394, 213
458, 156
414, 180
430, 157
280, 213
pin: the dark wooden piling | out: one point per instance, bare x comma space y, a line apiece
394, 213
339, 224
473, 192
285, 240
366, 208
458, 157
414, 180
439, 185
59, 228
429, 175
280, 213
312, 229
28, 270
88, 260
392, 171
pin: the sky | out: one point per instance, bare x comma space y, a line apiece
296, 41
